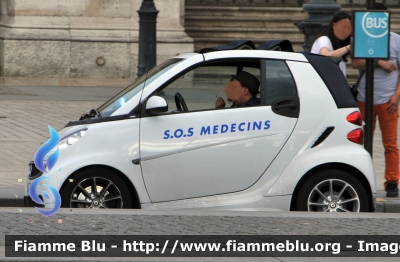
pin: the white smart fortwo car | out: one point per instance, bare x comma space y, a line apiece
161, 144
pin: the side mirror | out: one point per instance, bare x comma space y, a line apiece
156, 105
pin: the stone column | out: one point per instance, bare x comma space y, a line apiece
83, 39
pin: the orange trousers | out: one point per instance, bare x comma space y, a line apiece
388, 125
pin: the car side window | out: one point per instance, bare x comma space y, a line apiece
279, 82
202, 86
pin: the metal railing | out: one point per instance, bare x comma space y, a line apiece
390, 3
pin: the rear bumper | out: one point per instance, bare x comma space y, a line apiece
373, 202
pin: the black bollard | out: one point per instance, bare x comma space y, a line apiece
320, 12
147, 37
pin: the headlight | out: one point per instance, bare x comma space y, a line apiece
71, 139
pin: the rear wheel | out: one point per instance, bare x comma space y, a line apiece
332, 191
97, 188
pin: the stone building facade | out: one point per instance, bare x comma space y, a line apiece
83, 39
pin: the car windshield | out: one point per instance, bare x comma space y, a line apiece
125, 95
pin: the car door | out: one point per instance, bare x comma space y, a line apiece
205, 151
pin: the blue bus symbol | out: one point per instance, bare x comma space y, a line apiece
375, 24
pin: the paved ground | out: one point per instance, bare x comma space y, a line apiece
27, 221
25, 113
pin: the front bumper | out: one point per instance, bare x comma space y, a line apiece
28, 202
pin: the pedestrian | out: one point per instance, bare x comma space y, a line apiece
386, 100
334, 40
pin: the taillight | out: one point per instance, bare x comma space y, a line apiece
356, 136
355, 118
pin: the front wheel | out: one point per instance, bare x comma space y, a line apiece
97, 188
332, 191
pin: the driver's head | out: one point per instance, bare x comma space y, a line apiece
241, 88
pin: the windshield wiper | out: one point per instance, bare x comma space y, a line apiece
91, 114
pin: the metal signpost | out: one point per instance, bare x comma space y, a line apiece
370, 41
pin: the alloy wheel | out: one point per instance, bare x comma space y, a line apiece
96, 192
333, 195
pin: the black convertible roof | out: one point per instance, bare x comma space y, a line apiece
278, 45
327, 67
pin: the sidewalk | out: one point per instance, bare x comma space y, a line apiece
25, 113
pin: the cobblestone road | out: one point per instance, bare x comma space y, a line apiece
27, 221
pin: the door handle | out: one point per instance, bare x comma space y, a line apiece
287, 106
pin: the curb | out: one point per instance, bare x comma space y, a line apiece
11, 202
387, 207
382, 205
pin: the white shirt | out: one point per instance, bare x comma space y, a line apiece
324, 41
385, 83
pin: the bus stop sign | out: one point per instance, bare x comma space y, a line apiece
371, 34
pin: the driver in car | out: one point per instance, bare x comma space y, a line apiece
241, 90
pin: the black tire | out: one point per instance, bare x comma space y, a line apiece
111, 190
354, 197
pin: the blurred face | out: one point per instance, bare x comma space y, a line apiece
342, 29
235, 92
